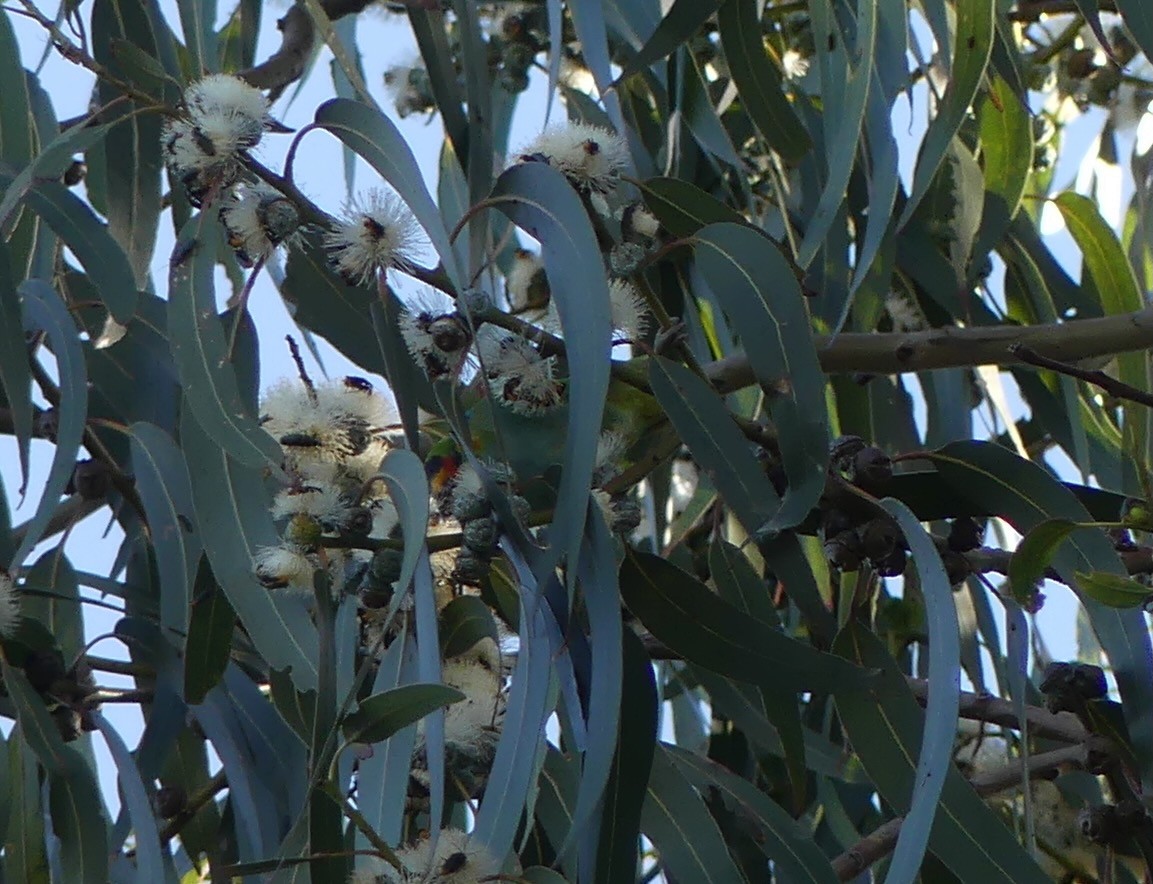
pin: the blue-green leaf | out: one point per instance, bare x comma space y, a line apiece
232, 512
538, 199
761, 296
36, 725
78, 820
15, 376
44, 310
973, 43
211, 625
403, 473
382, 715
166, 492
1139, 20
935, 759
25, 857
376, 139
200, 350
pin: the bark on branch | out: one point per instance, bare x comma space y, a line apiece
954, 347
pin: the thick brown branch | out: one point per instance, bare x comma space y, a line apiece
876, 845
954, 347
1138, 560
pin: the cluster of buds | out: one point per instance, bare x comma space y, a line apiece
334, 437
222, 117
468, 503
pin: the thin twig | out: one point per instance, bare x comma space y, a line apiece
1112, 386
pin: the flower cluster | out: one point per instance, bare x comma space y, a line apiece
437, 336
257, 219
619, 510
378, 232
518, 376
333, 437
590, 157
223, 116
454, 860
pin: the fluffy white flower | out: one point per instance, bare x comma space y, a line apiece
436, 335
9, 606
474, 723
322, 503
228, 111
384, 518
455, 860
636, 220
378, 232
520, 377
345, 425
591, 157
526, 284
904, 312
284, 566
794, 65
611, 446
257, 218
629, 312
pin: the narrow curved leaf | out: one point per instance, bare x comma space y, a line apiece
150, 857
885, 726
683, 208
25, 857
211, 624
59, 608
78, 820
687, 617
761, 296
382, 715
200, 350
15, 375
44, 310
232, 512
680, 826
1033, 555
681, 22
538, 199
758, 79
37, 728
781, 837
1025, 495
1139, 20
403, 473
375, 138
935, 759
588, 21
166, 491
973, 42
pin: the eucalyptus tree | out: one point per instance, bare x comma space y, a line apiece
702, 443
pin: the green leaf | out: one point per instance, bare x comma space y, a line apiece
687, 617
1025, 495
376, 139
759, 292
403, 473
1033, 555
539, 200
465, 621
16, 140
25, 857
78, 820
681, 22
382, 715
149, 855
845, 91
123, 41
44, 310
706, 426
757, 78
232, 512
210, 629
200, 350
166, 492
198, 22
683, 208
782, 838
885, 726
973, 41
680, 826
428, 27
935, 760
635, 743
58, 609
15, 375
36, 725
1006, 130
1113, 589
1138, 19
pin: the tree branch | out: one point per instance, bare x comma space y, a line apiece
954, 347
1064, 726
1112, 386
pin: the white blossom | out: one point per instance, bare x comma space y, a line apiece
257, 218
518, 375
904, 312
611, 446
526, 284
10, 615
229, 112
629, 312
323, 503
436, 335
283, 566
591, 157
454, 860
378, 232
